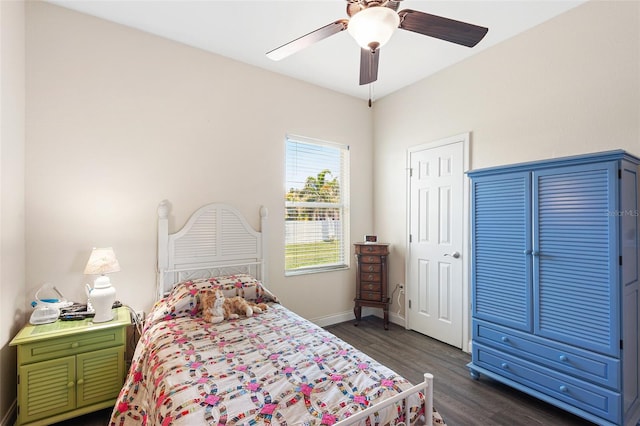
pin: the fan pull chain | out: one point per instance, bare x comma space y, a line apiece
370, 94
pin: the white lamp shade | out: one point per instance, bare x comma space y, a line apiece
374, 26
102, 261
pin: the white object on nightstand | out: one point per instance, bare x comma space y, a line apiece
47, 305
101, 297
44, 315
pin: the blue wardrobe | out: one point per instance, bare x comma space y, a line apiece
555, 282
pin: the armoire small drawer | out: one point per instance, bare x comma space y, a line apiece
371, 277
70, 345
574, 361
371, 267
371, 295
370, 286
373, 249
586, 396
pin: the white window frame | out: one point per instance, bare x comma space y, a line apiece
343, 205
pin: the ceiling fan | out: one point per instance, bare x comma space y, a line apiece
372, 23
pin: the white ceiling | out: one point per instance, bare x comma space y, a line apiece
245, 30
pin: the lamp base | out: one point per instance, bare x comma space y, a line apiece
102, 318
102, 297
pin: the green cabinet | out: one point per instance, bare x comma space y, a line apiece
67, 369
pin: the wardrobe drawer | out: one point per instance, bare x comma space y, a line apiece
570, 360
70, 345
586, 396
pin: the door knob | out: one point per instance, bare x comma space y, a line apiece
455, 254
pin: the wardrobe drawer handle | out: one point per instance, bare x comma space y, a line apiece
563, 358
75, 345
505, 339
370, 268
564, 389
504, 365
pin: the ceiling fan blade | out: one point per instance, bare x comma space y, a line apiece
443, 28
307, 40
393, 4
369, 65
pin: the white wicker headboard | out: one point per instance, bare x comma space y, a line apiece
216, 240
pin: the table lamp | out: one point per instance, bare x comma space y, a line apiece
102, 261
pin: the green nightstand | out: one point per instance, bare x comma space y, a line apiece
69, 368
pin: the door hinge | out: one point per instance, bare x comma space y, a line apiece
409, 303
619, 173
410, 238
621, 344
620, 260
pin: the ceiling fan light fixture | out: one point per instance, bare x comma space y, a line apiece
373, 26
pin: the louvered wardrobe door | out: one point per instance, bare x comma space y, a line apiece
501, 238
575, 264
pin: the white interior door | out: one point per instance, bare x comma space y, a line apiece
436, 287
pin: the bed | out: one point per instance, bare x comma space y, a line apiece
274, 367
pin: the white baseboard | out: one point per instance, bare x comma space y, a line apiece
10, 417
333, 319
349, 316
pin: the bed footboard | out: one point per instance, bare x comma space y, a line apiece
426, 387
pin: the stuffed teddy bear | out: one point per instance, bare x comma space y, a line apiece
216, 307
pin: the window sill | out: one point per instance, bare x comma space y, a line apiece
306, 271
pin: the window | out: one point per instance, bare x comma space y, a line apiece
317, 206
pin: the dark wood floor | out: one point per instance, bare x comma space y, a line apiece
460, 400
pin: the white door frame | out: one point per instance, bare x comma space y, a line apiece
465, 139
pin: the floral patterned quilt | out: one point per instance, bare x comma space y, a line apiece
273, 368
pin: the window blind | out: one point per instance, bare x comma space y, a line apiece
316, 201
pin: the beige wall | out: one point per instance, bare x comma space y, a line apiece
569, 86
12, 142
118, 120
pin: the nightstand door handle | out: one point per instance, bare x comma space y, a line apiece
70, 384
80, 382
75, 345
